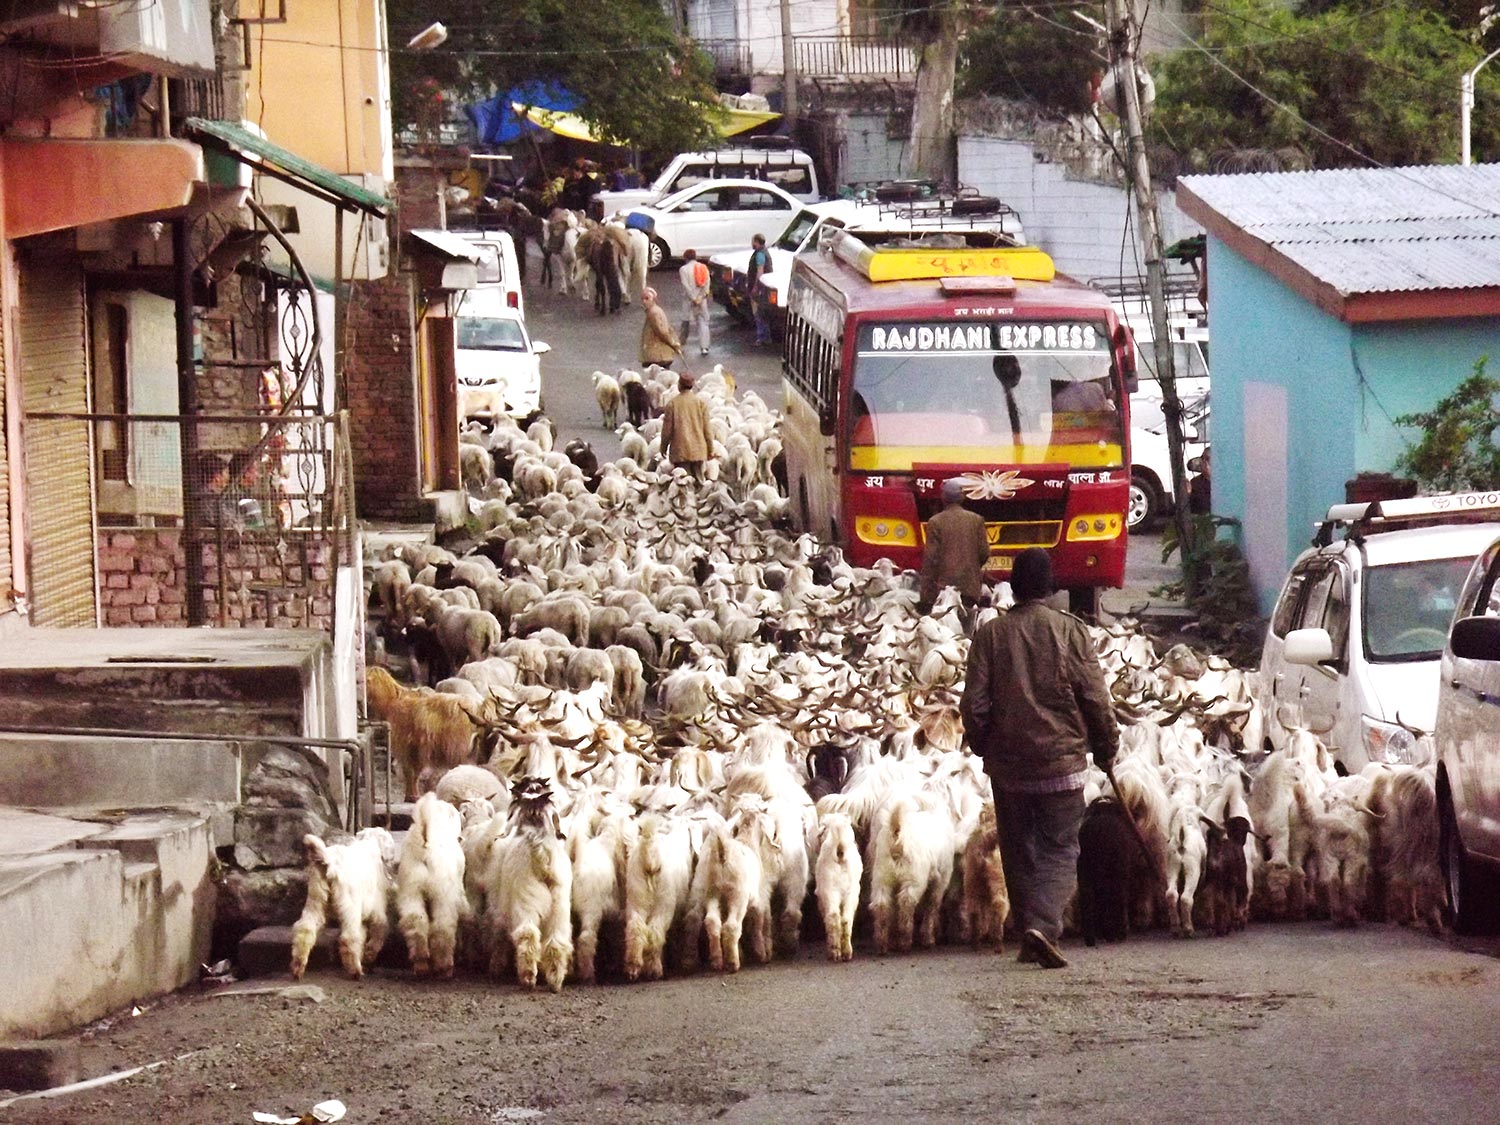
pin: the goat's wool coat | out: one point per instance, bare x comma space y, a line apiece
1035, 703
684, 429
955, 553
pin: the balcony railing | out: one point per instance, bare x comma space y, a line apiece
853, 57
731, 56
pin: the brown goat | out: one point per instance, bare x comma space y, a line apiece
428, 728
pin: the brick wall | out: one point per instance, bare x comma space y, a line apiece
380, 375
142, 581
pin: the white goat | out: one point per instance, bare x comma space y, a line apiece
352, 881
430, 886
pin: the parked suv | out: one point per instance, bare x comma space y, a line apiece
790, 169
1355, 640
1468, 741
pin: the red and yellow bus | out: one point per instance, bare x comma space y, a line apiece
906, 367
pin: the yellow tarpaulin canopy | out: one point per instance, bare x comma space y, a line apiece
570, 125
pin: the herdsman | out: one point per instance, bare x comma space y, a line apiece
1035, 706
685, 436
955, 552
694, 278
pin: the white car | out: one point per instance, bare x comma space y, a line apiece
965, 216
1150, 460
712, 217
1354, 644
499, 271
764, 160
1468, 742
497, 363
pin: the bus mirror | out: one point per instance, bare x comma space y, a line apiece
826, 421
1125, 352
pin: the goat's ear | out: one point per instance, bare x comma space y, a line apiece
1213, 828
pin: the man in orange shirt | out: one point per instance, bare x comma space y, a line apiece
694, 277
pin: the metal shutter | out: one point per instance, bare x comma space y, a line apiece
7, 572
59, 458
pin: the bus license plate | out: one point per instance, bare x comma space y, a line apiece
1000, 562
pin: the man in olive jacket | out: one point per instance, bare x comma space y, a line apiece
955, 552
685, 435
1035, 706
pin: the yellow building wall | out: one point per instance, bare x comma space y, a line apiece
319, 84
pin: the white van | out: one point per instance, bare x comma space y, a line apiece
790, 169
499, 272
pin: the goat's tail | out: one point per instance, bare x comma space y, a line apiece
898, 842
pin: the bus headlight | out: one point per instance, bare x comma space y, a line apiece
1095, 527
885, 532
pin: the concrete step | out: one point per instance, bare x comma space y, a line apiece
62, 771
94, 920
267, 952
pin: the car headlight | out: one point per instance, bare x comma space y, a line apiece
1392, 744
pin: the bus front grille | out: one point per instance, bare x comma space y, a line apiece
1038, 533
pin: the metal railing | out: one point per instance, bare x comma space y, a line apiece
731, 56
853, 56
230, 520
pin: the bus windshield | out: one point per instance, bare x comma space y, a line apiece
961, 392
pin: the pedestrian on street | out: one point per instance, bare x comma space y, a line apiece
684, 428
760, 262
659, 344
1034, 707
694, 277
954, 553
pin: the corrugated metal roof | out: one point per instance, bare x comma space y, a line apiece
1371, 230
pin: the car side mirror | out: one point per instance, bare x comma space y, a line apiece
540, 347
1307, 646
1475, 638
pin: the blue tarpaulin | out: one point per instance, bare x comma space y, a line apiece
498, 122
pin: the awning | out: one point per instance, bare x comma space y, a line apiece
56, 184
273, 160
731, 122
450, 245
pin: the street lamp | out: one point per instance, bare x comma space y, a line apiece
1466, 102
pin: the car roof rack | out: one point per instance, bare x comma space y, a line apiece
1364, 519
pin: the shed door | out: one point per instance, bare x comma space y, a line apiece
59, 459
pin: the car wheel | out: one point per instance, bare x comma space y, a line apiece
1460, 878
1144, 504
656, 255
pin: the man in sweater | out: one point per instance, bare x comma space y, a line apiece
955, 552
685, 435
1035, 706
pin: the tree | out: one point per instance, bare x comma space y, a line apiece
1457, 450
636, 80
1032, 56
1382, 78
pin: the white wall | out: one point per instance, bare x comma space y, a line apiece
1081, 224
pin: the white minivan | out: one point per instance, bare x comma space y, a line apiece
1355, 640
497, 363
790, 169
499, 272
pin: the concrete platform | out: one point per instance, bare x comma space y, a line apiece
98, 914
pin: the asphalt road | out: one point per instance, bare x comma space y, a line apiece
584, 342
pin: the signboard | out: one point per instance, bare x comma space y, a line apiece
960, 338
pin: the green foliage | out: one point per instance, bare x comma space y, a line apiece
1457, 450
1220, 593
1383, 78
637, 81
1016, 54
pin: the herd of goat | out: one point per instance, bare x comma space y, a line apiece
648, 715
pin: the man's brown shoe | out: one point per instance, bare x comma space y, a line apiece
1042, 951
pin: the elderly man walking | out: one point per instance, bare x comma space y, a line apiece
955, 552
694, 278
1035, 706
684, 428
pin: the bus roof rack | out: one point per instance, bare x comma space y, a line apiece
1393, 515
919, 263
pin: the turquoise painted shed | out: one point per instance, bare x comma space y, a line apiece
1337, 301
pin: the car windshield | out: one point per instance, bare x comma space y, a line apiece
799, 228
957, 392
1408, 607
488, 333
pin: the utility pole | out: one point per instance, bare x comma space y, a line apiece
788, 70
1125, 34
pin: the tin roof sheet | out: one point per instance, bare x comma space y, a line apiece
1370, 230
